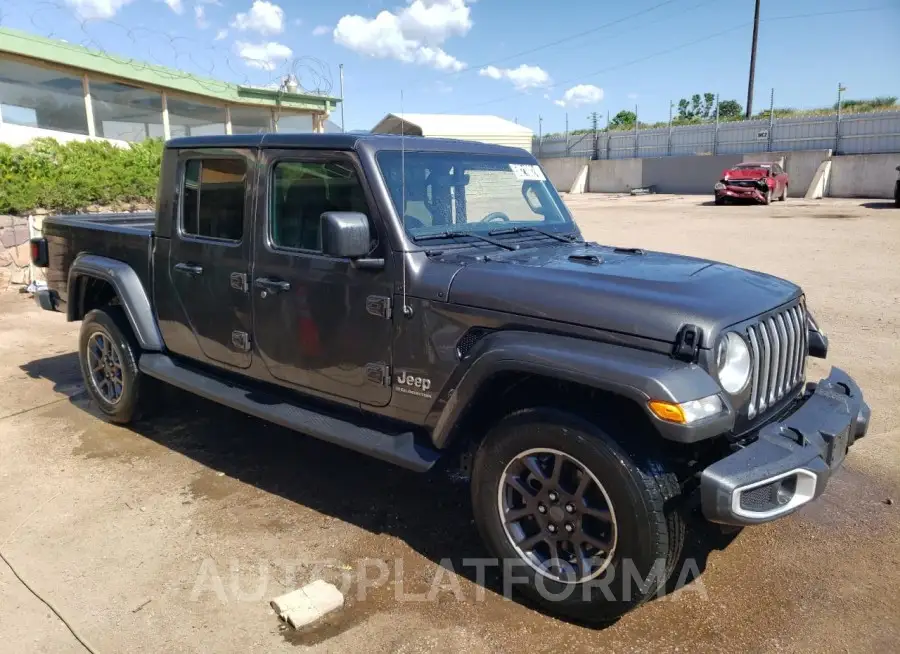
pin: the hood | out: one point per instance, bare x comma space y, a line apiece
651, 294
746, 173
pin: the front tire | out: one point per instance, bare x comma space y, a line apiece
108, 355
583, 527
767, 199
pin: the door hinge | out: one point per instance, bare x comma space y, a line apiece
378, 373
239, 282
241, 340
380, 306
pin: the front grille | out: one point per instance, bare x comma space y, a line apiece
778, 346
742, 182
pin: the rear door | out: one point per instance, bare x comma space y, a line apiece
210, 252
319, 323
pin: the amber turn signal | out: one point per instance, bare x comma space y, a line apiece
668, 411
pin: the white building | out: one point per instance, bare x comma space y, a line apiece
486, 129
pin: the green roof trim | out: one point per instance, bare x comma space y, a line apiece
68, 55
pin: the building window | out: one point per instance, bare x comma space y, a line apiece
286, 123
125, 112
251, 120
303, 192
212, 203
188, 118
41, 97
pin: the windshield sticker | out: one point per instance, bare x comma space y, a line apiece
527, 172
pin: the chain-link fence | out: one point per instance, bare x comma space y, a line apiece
855, 133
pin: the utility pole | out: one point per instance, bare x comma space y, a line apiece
343, 125
567, 133
596, 145
669, 139
753, 61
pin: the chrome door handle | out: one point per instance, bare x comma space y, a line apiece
191, 269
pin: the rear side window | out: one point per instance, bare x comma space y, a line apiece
303, 192
212, 204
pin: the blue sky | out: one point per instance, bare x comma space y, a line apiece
516, 59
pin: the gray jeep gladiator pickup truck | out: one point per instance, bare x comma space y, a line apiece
420, 300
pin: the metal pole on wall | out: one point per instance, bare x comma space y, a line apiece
669, 140
608, 138
636, 151
343, 125
540, 135
837, 127
752, 61
716, 133
771, 119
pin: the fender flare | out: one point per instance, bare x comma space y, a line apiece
638, 375
129, 289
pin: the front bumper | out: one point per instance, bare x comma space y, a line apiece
743, 193
790, 462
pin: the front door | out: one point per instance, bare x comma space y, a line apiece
210, 251
319, 323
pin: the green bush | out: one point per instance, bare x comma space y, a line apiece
66, 177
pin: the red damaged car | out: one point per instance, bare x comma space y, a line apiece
759, 182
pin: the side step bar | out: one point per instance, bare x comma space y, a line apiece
399, 449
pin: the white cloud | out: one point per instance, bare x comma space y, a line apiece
321, 30
632, 96
413, 34
581, 95
221, 34
265, 56
523, 77
200, 17
175, 5
96, 8
264, 17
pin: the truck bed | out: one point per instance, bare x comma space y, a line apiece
123, 236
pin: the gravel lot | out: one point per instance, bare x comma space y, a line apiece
172, 535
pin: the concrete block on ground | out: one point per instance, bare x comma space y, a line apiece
864, 175
818, 188
563, 171
308, 604
580, 183
614, 175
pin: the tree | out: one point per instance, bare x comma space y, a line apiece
697, 108
730, 109
624, 118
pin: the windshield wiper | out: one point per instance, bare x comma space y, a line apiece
563, 238
452, 234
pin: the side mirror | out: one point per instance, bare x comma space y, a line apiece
345, 234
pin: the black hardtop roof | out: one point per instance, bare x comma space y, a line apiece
374, 142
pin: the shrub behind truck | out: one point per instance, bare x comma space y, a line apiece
427, 301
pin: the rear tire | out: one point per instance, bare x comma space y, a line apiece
643, 536
108, 354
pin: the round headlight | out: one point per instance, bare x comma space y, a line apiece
733, 363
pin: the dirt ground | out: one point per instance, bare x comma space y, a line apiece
171, 535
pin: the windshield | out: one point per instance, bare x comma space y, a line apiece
471, 193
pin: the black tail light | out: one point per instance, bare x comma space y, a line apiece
39, 254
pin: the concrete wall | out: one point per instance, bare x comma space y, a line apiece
801, 167
614, 175
687, 174
15, 135
864, 175
563, 171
